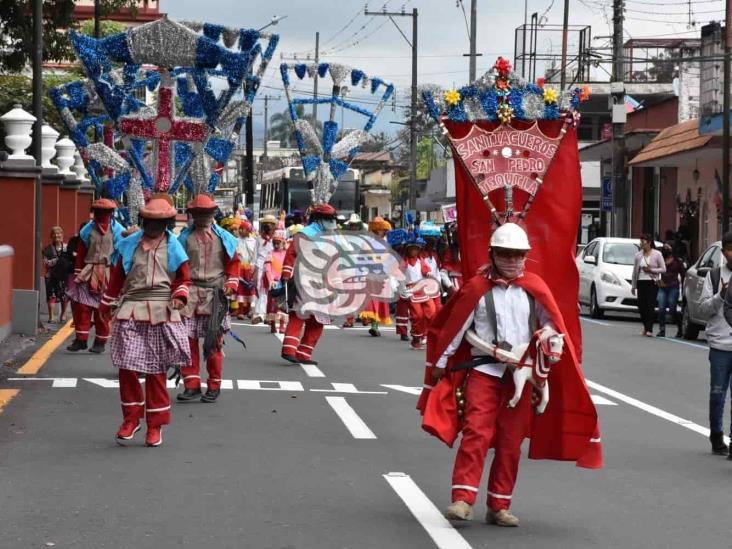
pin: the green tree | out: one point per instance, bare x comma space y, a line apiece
107, 27
16, 29
377, 143
280, 126
18, 89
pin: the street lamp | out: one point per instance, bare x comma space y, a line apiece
275, 19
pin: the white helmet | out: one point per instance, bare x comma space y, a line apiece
510, 236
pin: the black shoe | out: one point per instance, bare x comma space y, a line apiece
98, 347
679, 335
211, 395
290, 358
77, 345
188, 395
719, 448
374, 332
661, 333
309, 362
404, 337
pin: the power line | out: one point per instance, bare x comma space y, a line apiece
350, 22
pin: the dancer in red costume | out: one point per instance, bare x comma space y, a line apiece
377, 312
95, 253
507, 306
214, 268
149, 286
302, 334
422, 309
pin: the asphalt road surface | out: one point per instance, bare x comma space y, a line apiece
333, 457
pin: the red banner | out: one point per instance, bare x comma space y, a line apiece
552, 221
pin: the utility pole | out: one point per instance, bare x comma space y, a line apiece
413, 106
97, 16
618, 220
37, 131
725, 120
473, 38
315, 78
267, 98
565, 33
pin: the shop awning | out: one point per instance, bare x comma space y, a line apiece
676, 145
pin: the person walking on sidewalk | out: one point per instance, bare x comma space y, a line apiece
647, 270
719, 337
214, 269
58, 266
148, 287
668, 291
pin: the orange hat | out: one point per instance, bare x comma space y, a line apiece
202, 202
158, 208
104, 204
379, 224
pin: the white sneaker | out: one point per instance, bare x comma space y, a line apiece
504, 517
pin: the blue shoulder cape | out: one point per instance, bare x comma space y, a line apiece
228, 240
176, 254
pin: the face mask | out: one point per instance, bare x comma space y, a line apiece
328, 225
509, 267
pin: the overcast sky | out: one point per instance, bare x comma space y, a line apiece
374, 45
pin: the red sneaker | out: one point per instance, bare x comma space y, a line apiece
126, 431
154, 436
416, 344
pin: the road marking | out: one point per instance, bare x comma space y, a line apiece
436, 525
593, 321
256, 385
6, 395
405, 389
58, 382
682, 342
104, 382
350, 418
652, 409
39, 358
347, 388
311, 370
602, 401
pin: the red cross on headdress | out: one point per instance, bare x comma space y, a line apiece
164, 128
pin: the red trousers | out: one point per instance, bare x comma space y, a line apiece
299, 344
153, 402
214, 366
401, 316
421, 315
488, 421
83, 315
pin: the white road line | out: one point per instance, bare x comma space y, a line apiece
651, 409
58, 382
436, 525
682, 342
404, 389
350, 418
602, 401
311, 370
593, 321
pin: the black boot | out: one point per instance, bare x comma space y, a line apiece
98, 347
309, 362
374, 332
404, 337
290, 358
719, 448
189, 394
661, 332
77, 345
211, 395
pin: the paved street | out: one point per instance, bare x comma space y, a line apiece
333, 457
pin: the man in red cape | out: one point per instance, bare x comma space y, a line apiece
568, 429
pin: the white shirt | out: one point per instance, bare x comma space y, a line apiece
513, 310
711, 306
413, 273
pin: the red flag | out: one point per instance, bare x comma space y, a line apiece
552, 222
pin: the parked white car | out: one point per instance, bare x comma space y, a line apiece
606, 269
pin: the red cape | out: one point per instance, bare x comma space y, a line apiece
568, 430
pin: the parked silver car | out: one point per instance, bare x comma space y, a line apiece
691, 320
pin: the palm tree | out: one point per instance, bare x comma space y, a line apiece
280, 126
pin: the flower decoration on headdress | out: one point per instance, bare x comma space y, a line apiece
550, 96
452, 97
503, 66
505, 113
